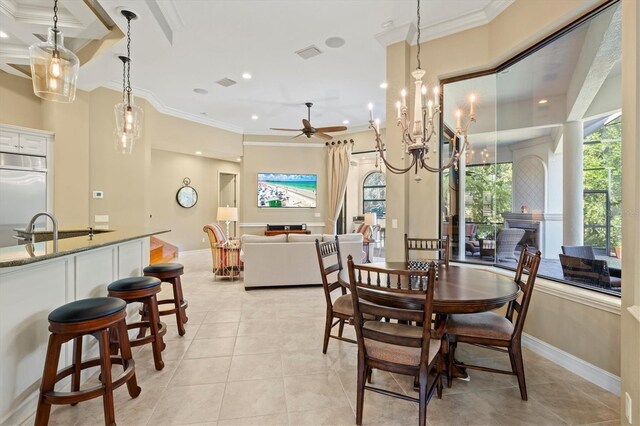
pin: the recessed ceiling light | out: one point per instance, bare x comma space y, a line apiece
384, 85
334, 42
246, 76
204, 113
387, 24
542, 101
198, 152
254, 117
200, 91
345, 122
3, 34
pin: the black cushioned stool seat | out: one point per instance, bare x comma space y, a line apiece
134, 283
143, 290
170, 273
96, 317
87, 309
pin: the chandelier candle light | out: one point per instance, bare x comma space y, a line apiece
418, 131
54, 68
128, 115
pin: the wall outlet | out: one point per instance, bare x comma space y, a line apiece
628, 407
98, 194
101, 218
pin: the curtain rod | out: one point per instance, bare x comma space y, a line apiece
339, 142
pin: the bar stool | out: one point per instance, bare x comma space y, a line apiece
144, 290
170, 273
94, 317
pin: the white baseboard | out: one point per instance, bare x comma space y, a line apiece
587, 371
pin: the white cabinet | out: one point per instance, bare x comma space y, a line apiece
23, 143
9, 141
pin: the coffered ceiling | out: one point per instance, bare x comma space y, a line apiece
179, 46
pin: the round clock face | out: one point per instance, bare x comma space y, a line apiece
187, 197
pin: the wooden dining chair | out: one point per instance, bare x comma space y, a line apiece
440, 245
340, 310
406, 296
493, 331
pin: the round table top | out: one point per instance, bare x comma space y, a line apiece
459, 289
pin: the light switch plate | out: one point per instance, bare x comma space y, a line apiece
317, 214
394, 223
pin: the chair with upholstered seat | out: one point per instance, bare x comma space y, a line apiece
439, 245
493, 331
396, 347
340, 310
224, 252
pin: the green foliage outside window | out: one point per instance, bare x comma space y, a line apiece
603, 171
487, 196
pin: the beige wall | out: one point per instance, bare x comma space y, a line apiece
186, 224
18, 105
281, 159
631, 204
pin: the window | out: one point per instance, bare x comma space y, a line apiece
374, 194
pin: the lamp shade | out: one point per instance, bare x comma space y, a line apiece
371, 219
54, 69
228, 214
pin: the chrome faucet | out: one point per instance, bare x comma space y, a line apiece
31, 224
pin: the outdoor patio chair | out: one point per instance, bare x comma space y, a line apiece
593, 272
504, 246
585, 252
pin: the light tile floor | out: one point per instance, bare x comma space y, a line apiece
255, 358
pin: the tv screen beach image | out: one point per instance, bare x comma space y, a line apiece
286, 190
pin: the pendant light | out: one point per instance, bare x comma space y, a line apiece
54, 68
128, 115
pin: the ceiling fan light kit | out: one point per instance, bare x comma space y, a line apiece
128, 115
418, 131
54, 68
308, 130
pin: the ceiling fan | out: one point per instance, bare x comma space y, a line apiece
308, 130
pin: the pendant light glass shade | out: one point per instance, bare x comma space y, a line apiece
54, 69
123, 142
129, 118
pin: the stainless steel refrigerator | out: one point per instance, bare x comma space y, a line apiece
23, 193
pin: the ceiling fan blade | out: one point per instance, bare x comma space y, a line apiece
300, 134
306, 123
323, 136
331, 129
285, 130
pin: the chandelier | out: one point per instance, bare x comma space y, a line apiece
54, 68
128, 115
418, 132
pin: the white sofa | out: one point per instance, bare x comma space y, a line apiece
283, 260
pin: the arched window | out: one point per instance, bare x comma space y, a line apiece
374, 194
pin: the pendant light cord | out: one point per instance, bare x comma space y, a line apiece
128, 65
418, 38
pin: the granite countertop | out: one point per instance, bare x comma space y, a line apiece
28, 253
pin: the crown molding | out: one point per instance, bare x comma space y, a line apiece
284, 144
440, 29
162, 108
38, 15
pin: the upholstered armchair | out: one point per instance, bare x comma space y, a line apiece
225, 253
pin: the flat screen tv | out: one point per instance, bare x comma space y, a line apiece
287, 190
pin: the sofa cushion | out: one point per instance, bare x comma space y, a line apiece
342, 237
303, 238
282, 238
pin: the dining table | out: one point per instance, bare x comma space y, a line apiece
458, 290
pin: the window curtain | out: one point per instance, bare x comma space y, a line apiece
339, 156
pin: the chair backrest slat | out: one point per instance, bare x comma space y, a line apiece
326, 251
439, 245
527, 263
411, 299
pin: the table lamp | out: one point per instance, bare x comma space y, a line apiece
227, 215
371, 219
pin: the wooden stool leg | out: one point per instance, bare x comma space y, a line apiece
157, 343
105, 373
177, 302
48, 379
125, 352
180, 295
144, 317
77, 365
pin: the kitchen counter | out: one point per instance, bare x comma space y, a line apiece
34, 280
29, 253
